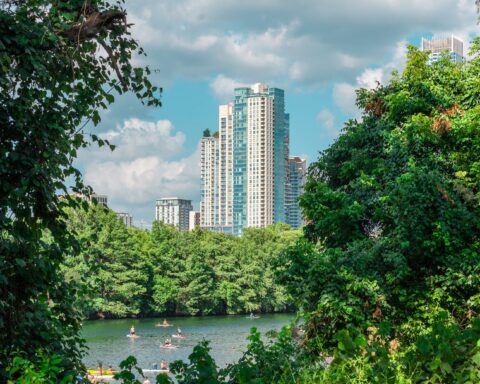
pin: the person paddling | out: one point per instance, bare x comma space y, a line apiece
163, 365
132, 330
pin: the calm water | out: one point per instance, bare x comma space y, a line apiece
227, 335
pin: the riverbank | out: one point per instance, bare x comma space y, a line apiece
109, 345
184, 315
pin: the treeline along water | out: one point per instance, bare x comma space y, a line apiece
130, 272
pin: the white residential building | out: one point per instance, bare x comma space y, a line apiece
260, 158
99, 199
224, 219
208, 170
193, 220
174, 211
126, 218
450, 45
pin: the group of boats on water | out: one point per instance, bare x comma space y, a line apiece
167, 344
101, 375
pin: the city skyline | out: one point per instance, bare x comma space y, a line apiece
319, 55
245, 164
219, 153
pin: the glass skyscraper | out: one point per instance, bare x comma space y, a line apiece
251, 162
296, 181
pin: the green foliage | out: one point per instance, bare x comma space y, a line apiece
128, 368
133, 272
387, 278
201, 368
276, 361
273, 362
53, 81
43, 370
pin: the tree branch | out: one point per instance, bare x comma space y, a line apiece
91, 27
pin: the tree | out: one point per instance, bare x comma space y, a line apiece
392, 255
60, 63
133, 272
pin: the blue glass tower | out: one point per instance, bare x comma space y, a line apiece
240, 159
280, 152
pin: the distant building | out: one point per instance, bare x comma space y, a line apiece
99, 199
244, 167
193, 220
297, 173
208, 174
93, 198
126, 218
174, 211
438, 46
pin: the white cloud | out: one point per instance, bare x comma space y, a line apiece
147, 164
143, 137
308, 41
344, 97
344, 93
370, 78
326, 119
223, 87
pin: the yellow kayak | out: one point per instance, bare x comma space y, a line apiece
96, 372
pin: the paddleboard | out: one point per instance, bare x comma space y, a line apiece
133, 336
168, 346
155, 370
102, 378
178, 336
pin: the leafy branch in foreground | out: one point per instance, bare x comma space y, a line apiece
58, 61
388, 278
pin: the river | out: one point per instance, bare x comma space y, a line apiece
108, 343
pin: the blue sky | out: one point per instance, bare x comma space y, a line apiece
319, 51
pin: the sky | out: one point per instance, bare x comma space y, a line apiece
318, 51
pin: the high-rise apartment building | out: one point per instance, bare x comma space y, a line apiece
244, 168
224, 216
126, 218
173, 211
296, 181
99, 199
437, 46
208, 159
193, 220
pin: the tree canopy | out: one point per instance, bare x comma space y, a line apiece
61, 62
391, 255
135, 272
387, 275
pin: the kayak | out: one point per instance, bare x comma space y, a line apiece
252, 317
168, 346
163, 325
133, 336
96, 372
178, 336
